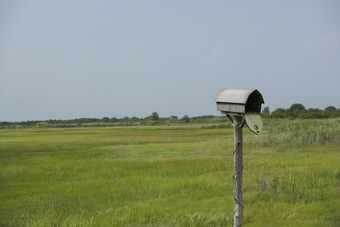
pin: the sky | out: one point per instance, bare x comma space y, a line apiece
73, 59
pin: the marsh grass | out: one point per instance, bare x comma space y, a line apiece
162, 176
297, 133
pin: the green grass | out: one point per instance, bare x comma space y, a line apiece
165, 176
298, 133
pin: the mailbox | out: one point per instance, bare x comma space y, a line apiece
241, 106
239, 101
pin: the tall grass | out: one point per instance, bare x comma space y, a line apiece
162, 176
297, 133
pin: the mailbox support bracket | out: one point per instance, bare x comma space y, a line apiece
243, 122
232, 121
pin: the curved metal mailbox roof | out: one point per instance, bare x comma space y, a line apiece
239, 96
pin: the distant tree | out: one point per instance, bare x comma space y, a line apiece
279, 110
330, 109
314, 110
186, 119
266, 111
297, 107
313, 113
114, 119
134, 119
154, 116
105, 119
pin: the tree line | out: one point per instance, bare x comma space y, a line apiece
153, 119
295, 111
298, 110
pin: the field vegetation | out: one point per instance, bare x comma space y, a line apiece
296, 111
176, 175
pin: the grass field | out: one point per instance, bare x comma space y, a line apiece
170, 176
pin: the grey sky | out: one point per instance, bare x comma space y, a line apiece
73, 59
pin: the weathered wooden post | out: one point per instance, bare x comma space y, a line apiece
238, 167
244, 105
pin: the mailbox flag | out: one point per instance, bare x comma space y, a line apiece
254, 123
